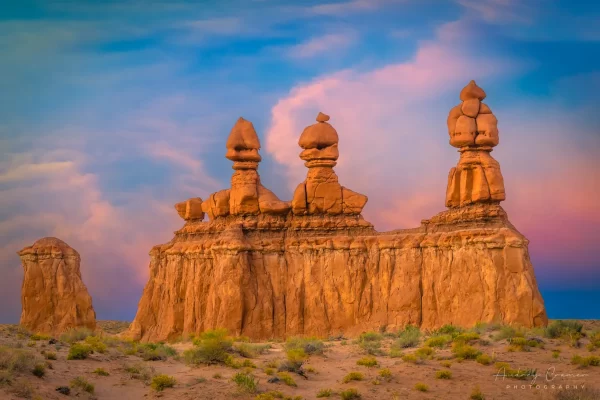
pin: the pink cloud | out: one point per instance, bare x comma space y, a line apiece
394, 146
331, 43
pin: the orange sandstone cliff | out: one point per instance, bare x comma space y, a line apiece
53, 296
264, 268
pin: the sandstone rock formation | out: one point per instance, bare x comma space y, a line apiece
53, 296
474, 130
319, 268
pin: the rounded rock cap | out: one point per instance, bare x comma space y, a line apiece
49, 244
243, 136
472, 91
319, 135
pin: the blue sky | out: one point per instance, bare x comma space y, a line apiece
114, 111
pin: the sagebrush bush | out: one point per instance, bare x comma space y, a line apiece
350, 394
287, 379
476, 394
438, 341
79, 351
586, 361
448, 329
16, 360
353, 376
162, 382
370, 342
39, 370
50, 355
81, 383
324, 393
443, 374
385, 373
76, 335
210, 347
421, 387
310, 345
464, 351
100, 372
484, 359
249, 350
245, 382
369, 361
155, 351
408, 337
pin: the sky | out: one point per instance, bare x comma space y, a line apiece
111, 112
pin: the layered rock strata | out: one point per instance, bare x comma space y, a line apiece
316, 267
53, 296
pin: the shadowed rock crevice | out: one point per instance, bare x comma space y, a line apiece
264, 268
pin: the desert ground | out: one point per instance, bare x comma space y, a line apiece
485, 362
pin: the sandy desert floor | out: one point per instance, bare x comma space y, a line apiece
446, 364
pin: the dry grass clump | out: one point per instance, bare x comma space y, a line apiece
476, 394
421, 387
76, 335
586, 361
140, 372
443, 374
438, 341
82, 384
287, 379
368, 361
370, 342
100, 372
324, 393
211, 347
350, 394
353, 376
250, 350
310, 345
79, 351
408, 337
246, 383
484, 359
464, 351
275, 395
162, 382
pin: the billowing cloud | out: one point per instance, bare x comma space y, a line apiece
394, 145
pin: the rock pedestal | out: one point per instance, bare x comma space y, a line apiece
53, 296
263, 269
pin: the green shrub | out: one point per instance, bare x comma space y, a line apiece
50, 355
448, 329
480, 328
466, 337
5, 378
295, 359
210, 347
79, 351
140, 372
421, 387
438, 341
509, 332
445, 363
16, 360
324, 393
310, 345
162, 382
155, 351
555, 353
464, 351
39, 370
100, 372
484, 359
245, 382
249, 350
408, 337
39, 336
385, 373
353, 376
594, 341
350, 394
367, 361
424, 352
274, 395
443, 374
287, 379
80, 383
411, 358
476, 394
586, 361
96, 343
75, 335
560, 328
370, 342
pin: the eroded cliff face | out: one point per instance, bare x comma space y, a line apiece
53, 296
302, 275
265, 268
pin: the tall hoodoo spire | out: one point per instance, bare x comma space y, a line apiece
474, 130
321, 192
